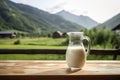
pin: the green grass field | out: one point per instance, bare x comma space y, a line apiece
37, 43
40, 43
32, 43
48, 57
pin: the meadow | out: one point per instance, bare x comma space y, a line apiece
40, 43
32, 43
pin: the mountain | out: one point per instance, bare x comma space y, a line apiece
11, 18
81, 20
25, 18
112, 22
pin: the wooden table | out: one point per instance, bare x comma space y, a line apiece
58, 70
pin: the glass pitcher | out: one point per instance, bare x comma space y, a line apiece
76, 53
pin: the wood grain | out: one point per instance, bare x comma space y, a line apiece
52, 70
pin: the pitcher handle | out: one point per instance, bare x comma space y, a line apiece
89, 43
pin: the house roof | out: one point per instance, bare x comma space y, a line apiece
117, 27
58, 32
3, 32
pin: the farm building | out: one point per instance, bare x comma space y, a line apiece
7, 34
57, 34
117, 29
64, 34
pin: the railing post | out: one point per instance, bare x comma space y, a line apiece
114, 57
116, 54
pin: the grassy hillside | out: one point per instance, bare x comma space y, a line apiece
28, 19
11, 18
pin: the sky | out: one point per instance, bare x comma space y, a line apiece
99, 10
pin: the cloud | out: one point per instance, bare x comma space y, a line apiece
24, 1
56, 8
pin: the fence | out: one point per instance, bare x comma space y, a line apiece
114, 52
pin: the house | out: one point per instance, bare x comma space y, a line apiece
57, 34
7, 34
117, 29
64, 34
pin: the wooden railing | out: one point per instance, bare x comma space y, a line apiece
114, 52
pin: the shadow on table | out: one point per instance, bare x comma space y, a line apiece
60, 71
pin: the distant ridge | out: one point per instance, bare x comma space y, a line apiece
85, 21
112, 22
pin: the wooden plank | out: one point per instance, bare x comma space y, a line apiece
61, 77
105, 52
58, 70
32, 67
32, 51
57, 51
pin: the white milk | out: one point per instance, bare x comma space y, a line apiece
76, 57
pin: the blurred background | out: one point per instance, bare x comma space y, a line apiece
43, 24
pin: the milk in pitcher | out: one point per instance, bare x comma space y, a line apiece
75, 53
76, 56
